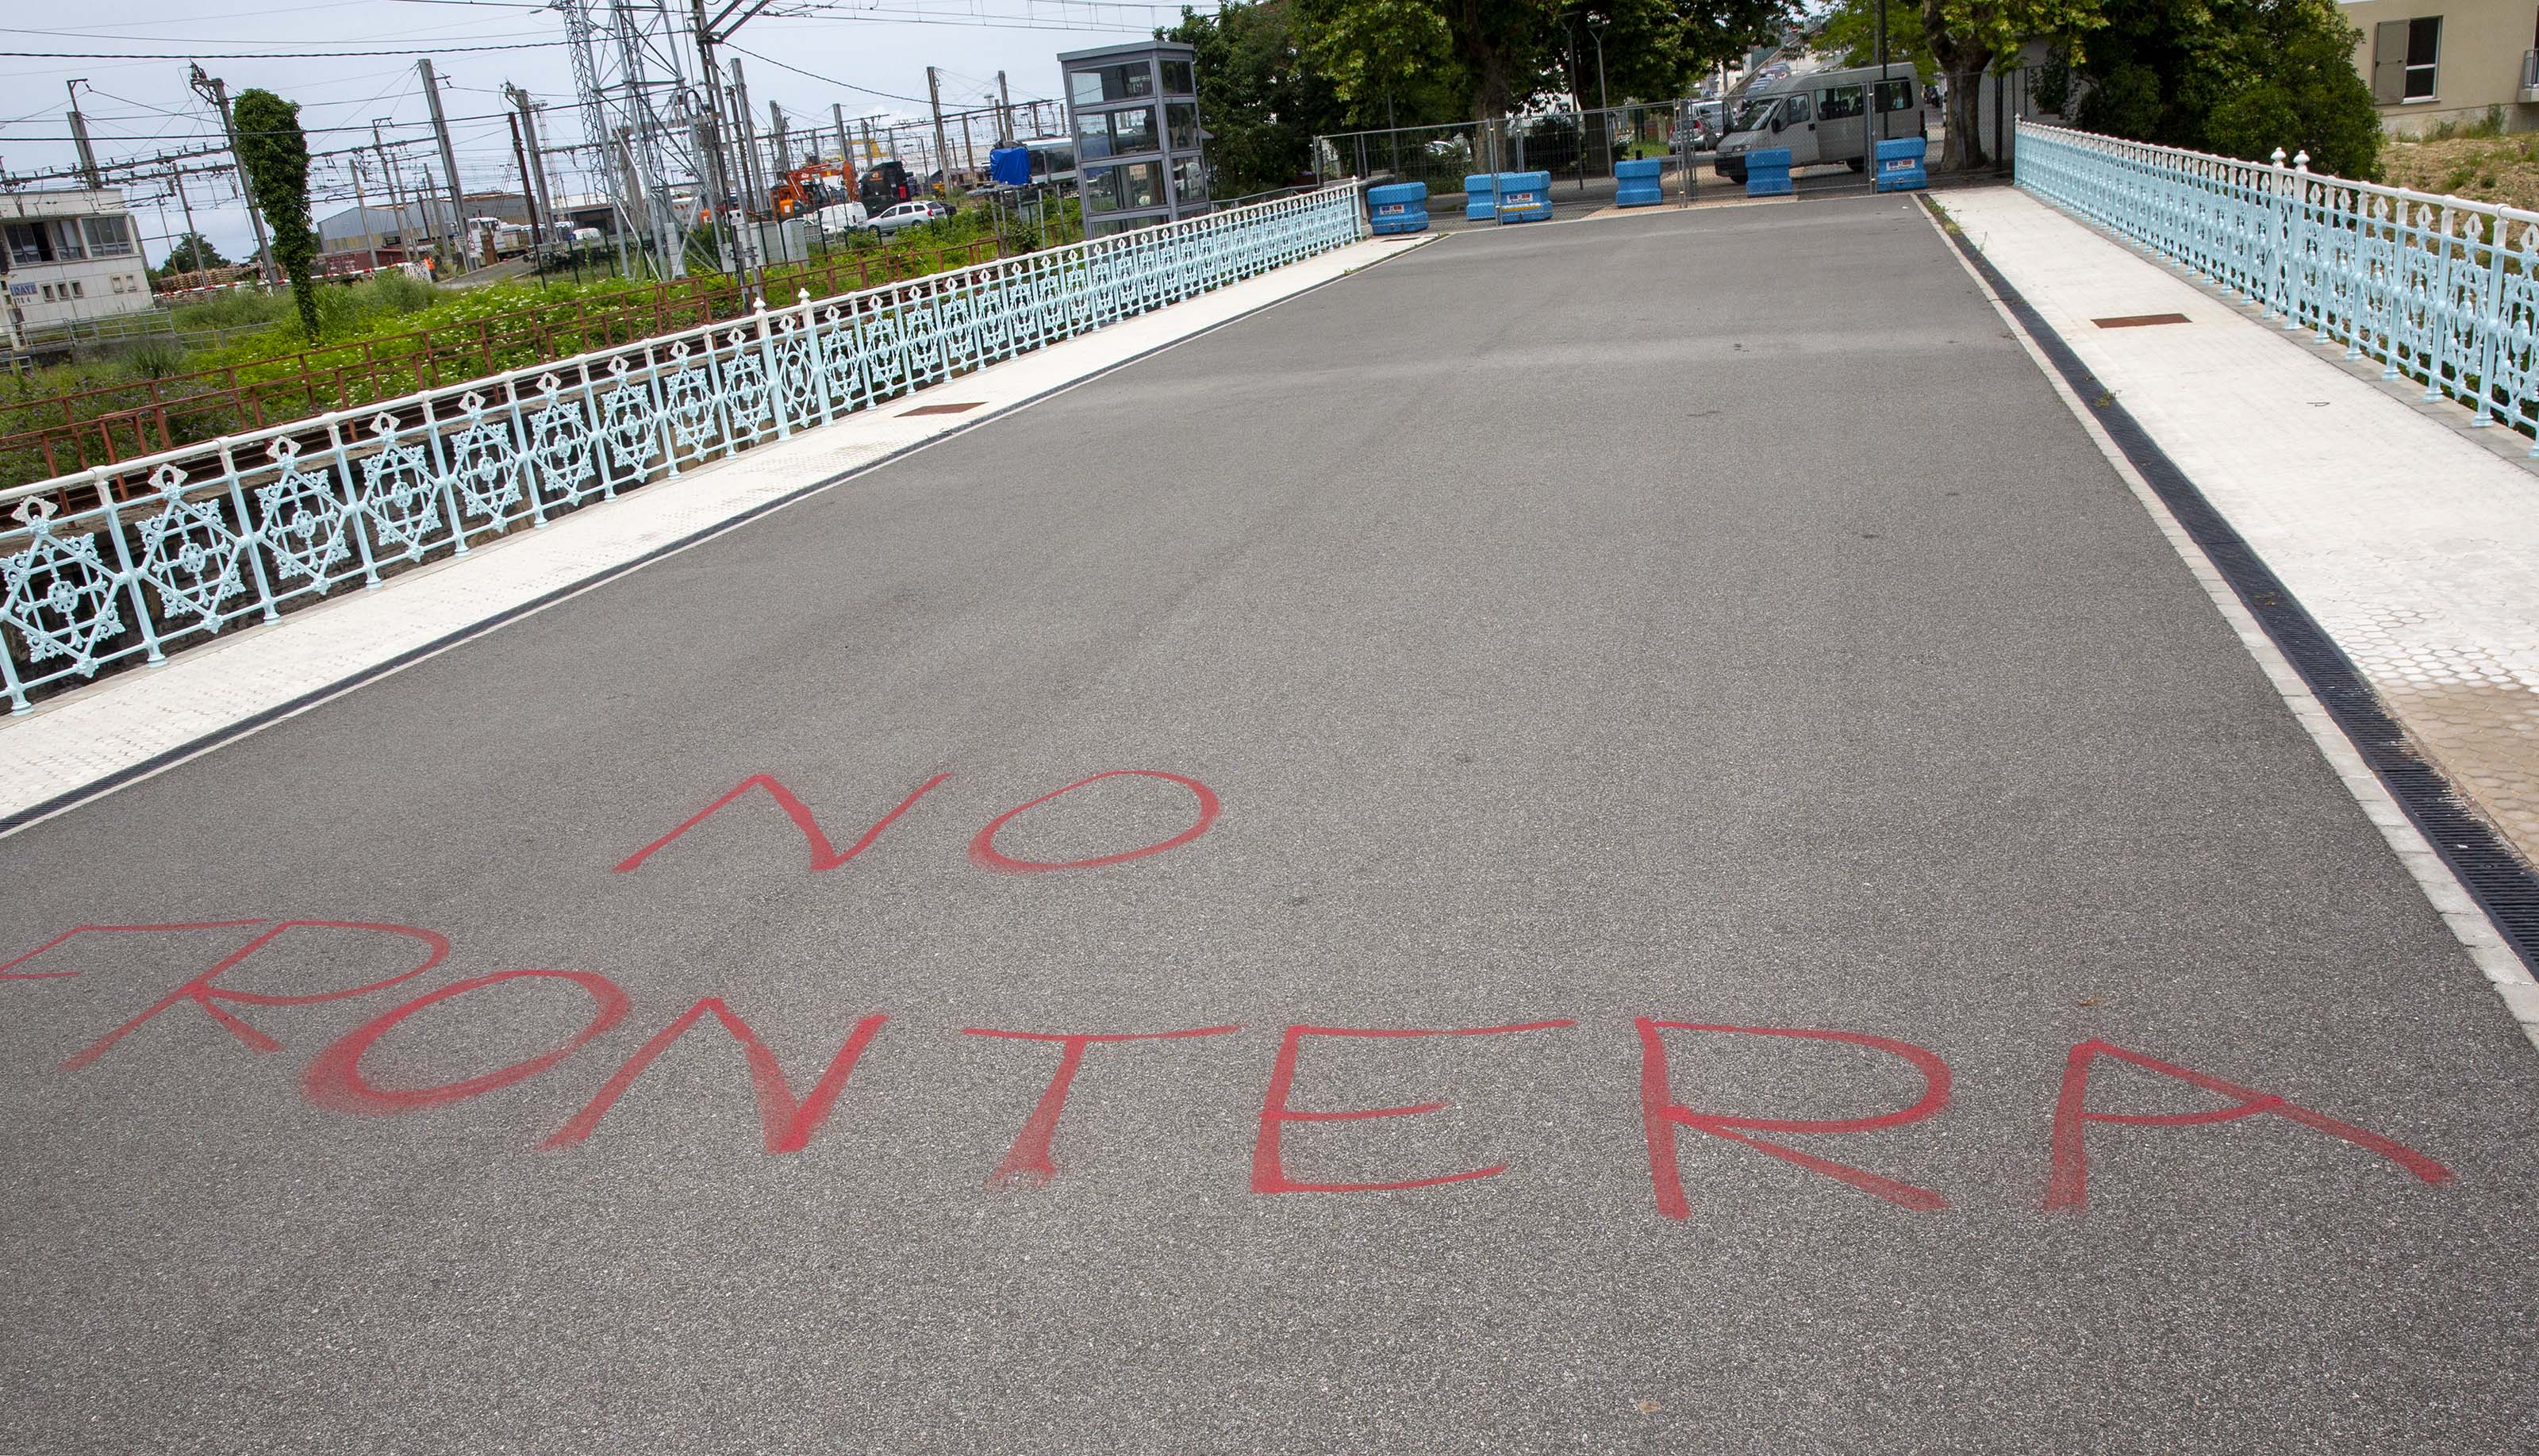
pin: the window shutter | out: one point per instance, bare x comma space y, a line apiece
2389, 62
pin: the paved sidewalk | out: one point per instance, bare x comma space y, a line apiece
144, 720
2411, 539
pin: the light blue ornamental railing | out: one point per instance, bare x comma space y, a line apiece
128, 562
2439, 289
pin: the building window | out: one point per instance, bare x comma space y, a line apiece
1101, 189
1178, 80
1142, 185
1110, 84
1181, 122
1093, 137
106, 237
49, 293
1189, 183
2423, 56
66, 241
79, 290
1132, 130
2406, 60
26, 245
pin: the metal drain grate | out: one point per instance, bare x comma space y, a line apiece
2499, 880
942, 409
2141, 320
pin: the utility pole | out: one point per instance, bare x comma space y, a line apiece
79, 134
176, 174
968, 158
775, 135
528, 185
362, 208
1005, 113
448, 156
942, 154
397, 188
535, 165
216, 90
747, 141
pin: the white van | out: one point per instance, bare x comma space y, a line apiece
1825, 117
837, 219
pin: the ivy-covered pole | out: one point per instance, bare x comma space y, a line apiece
275, 155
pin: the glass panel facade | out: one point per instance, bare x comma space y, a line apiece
1102, 189
1132, 130
1181, 119
1176, 79
1190, 184
1141, 185
1110, 84
1093, 137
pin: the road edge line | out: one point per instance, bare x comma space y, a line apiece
2506, 965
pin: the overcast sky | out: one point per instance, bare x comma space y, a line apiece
141, 107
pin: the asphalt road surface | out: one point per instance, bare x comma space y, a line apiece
1712, 619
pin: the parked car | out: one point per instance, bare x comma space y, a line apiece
909, 215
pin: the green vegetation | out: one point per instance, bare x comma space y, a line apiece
1274, 74
2237, 77
393, 334
191, 254
275, 156
2469, 163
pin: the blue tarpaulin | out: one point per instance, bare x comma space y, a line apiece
1010, 165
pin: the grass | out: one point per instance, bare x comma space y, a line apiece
2477, 164
384, 313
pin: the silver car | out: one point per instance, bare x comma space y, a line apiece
909, 215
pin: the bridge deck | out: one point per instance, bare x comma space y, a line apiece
1713, 618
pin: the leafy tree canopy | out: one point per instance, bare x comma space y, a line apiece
191, 254
275, 156
1260, 99
1496, 55
1968, 36
2237, 77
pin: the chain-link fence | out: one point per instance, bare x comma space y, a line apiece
1577, 148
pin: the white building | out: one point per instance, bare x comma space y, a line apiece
69, 255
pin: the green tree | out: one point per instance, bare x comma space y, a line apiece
1389, 62
1654, 50
1851, 33
1499, 53
275, 156
1967, 37
2237, 77
1260, 99
191, 254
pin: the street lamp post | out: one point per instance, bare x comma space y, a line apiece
1603, 96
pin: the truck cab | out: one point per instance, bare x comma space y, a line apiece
1825, 117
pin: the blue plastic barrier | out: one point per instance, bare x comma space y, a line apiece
1480, 197
1398, 207
1524, 196
1635, 183
1900, 164
1767, 172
